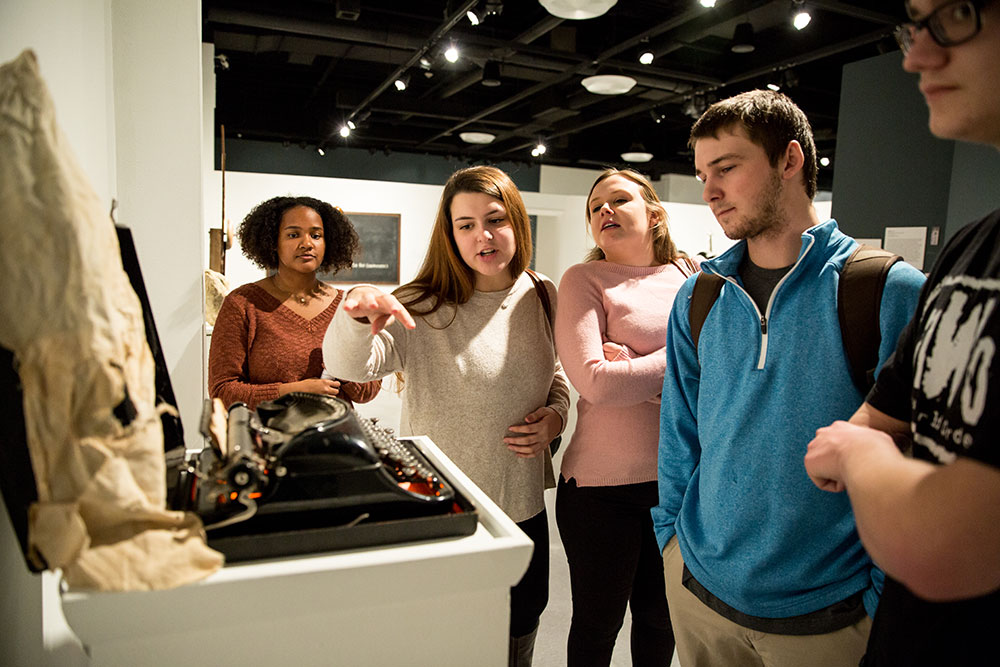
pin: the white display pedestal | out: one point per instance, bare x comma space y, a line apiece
441, 602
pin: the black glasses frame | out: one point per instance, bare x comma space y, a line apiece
905, 31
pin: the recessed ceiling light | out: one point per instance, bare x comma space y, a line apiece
477, 137
608, 84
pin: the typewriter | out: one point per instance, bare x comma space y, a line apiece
304, 473
299, 475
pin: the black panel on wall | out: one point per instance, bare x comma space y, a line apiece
889, 170
274, 158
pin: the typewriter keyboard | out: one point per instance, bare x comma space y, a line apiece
406, 463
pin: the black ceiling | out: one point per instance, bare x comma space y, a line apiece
297, 70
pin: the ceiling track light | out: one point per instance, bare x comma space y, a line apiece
800, 14
451, 54
707, 3
345, 131
742, 38
480, 13
321, 151
538, 150
402, 83
782, 80
646, 58
824, 161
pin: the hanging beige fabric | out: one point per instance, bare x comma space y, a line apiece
75, 327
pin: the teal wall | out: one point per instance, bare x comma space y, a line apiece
890, 170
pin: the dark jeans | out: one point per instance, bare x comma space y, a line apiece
529, 597
613, 561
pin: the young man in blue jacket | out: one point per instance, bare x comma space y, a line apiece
761, 567
933, 521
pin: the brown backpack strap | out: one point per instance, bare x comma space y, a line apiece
706, 290
859, 301
543, 294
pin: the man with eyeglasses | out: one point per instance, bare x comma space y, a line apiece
932, 522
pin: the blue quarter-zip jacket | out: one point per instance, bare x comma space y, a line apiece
735, 419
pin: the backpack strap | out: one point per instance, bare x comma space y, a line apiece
706, 290
859, 301
543, 294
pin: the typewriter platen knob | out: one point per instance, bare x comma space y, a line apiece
243, 475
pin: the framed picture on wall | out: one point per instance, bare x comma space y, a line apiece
378, 259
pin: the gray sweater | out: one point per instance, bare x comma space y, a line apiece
466, 381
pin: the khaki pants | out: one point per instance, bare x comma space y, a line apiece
706, 639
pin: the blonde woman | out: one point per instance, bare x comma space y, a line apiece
610, 332
471, 339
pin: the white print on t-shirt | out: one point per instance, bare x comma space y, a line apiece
953, 360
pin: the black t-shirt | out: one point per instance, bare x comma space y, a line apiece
944, 378
759, 282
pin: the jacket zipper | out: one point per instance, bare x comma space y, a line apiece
763, 318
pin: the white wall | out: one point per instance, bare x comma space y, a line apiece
158, 134
72, 41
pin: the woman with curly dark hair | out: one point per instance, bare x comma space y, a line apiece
268, 337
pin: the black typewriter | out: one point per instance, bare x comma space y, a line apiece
299, 475
304, 473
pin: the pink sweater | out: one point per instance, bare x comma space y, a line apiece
618, 412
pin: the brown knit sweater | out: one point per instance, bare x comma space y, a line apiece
259, 344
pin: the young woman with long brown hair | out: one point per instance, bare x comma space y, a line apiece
472, 340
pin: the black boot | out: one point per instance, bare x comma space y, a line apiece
521, 649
